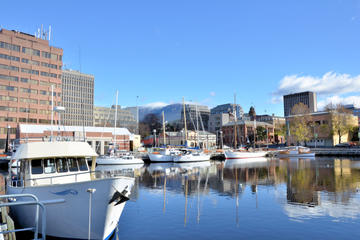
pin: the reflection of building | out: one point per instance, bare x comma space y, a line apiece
245, 132
105, 116
100, 138
28, 68
77, 98
307, 98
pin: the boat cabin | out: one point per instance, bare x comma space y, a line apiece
46, 163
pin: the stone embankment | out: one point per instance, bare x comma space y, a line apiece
354, 152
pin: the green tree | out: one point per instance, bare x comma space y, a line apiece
261, 133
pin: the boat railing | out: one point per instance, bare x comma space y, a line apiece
20, 182
38, 204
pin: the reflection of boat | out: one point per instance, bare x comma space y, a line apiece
160, 167
191, 165
192, 156
59, 171
245, 162
112, 160
231, 154
297, 151
110, 168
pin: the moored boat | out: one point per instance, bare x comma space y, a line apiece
115, 160
191, 156
297, 151
234, 154
59, 171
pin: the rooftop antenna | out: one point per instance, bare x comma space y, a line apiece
42, 31
49, 32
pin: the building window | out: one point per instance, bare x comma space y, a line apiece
11, 58
9, 109
11, 68
10, 46
8, 98
9, 78
31, 51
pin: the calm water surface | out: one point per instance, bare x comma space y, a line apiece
282, 199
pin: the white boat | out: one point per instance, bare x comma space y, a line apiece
122, 167
164, 155
233, 154
59, 171
114, 160
191, 156
297, 151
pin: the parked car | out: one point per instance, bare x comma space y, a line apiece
346, 145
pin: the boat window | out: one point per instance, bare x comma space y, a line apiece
61, 165
36, 166
82, 164
49, 165
72, 163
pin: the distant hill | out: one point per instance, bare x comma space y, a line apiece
172, 112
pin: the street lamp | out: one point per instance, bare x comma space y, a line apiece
154, 131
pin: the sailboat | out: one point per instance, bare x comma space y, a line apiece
164, 154
191, 155
240, 153
115, 157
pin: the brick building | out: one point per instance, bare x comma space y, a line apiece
29, 66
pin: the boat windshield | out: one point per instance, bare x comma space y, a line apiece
36, 166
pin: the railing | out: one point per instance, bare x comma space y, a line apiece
35, 202
20, 183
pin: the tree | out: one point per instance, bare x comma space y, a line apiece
148, 124
261, 133
280, 130
340, 120
300, 128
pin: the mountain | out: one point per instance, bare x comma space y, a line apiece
172, 112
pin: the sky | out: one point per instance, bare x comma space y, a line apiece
155, 52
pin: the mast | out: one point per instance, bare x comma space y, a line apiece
197, 126
52, 110
163, 118
235, 120
116, 103
185, 129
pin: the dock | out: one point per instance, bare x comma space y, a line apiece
351, 152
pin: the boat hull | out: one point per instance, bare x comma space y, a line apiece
240, 155
70, 219
191, 158
118, 161
296, 155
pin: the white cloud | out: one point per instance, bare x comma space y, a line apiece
155, 105
212, 94
329, 83
338, 99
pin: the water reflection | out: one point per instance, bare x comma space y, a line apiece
246, 192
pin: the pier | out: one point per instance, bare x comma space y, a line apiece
336, 151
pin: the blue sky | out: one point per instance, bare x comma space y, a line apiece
162, 50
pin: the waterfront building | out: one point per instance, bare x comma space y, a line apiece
228, 108
307, 98
191, 118
29, 66
77, 98
100, 138
105, 116
202, 139
245, 132
354, 110
322, 128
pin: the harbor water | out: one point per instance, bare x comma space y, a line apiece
236, 199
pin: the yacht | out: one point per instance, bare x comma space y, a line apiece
191, 156
297, 151
239, 154
88, 207
114, 160
164, 155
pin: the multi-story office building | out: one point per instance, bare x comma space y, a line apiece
216, 121
228, 108
77, 98
105, 116
355, 111
200, 119
29, 66
307, 98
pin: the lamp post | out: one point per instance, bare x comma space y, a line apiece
221, 139
154, 131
